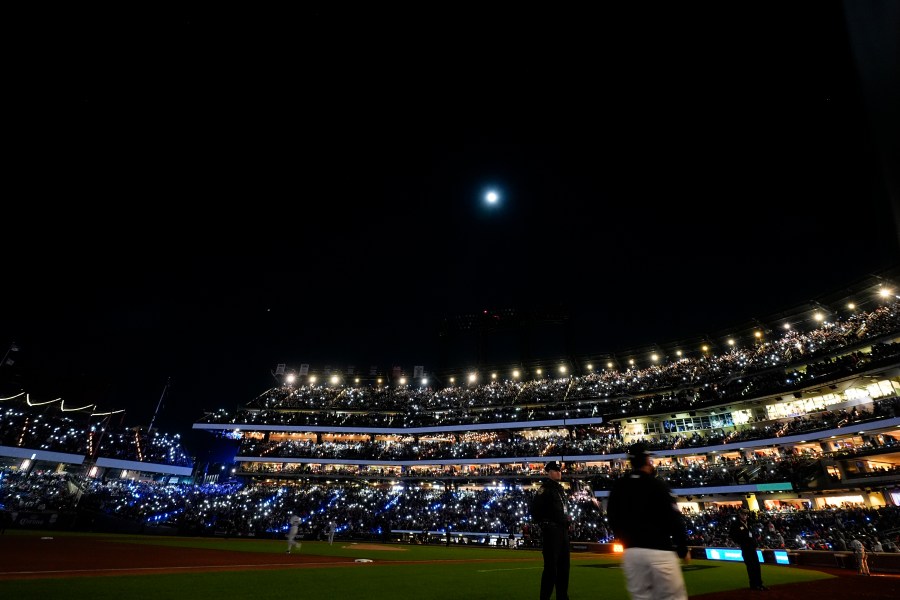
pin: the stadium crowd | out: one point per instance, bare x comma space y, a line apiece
373, 512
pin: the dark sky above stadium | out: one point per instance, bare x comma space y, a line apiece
201, 196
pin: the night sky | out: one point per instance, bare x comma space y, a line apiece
203, 196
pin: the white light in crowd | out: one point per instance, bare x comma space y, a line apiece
562, 369
515, 373
379, 381
731, 342
424, 381
312, 378
472, 377
851, 306
356, 380
705, 348
452, 380
590, 367
884, 292
757, 334
654, 357
609, 365
678, 353
631, 361
291, 378
492, 197
539, 372
787, 325
819, 317
403, 381
493, 376
334, 380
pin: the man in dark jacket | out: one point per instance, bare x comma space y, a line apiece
550, 511
645, 518
742, 534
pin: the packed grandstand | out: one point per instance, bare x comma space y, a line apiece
796, 417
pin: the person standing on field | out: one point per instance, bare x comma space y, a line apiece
294, 523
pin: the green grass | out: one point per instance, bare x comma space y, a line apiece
389, 577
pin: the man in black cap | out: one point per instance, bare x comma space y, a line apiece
742, 534
646, 519
550, 510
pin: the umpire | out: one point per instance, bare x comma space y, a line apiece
550, 510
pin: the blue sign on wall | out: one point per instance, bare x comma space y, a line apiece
732, 554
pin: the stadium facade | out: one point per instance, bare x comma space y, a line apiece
800, 410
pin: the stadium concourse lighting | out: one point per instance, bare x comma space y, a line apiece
539, 372
473, 377
589, 367
562, 369
335, 380
493, 376
312, 379
424, 381
403, 381
291, 378
515, 373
